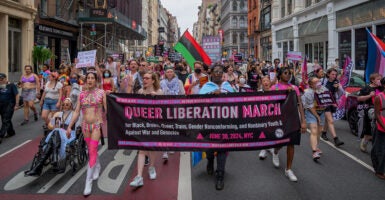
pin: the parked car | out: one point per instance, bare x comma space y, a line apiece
352, 92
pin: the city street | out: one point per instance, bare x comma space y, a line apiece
343, 173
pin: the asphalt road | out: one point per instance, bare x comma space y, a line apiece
343, 173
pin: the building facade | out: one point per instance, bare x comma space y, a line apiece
208, 23
234, 25
56, 28
16, 36
324, 30
259, 29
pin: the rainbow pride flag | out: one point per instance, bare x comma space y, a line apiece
376, 56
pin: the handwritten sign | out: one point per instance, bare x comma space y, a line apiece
86, 59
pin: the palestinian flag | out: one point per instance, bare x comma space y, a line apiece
191, 50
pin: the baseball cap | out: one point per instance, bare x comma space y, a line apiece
2, 75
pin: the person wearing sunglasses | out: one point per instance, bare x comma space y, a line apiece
283, 76
55, 143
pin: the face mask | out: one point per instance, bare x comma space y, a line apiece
198, 71
378, 82
72, 80
242, 80
106, 75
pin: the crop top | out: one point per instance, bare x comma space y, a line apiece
31, 79
89, 99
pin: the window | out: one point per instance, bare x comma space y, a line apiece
242, 4
242, 22
289, 6
235, 38
308, 3
266, 19
234, 22
381, 32
242, 38
58, 8
283, 8
14, 45
361, 47
345, 44
309, 51
43, 8
235, 5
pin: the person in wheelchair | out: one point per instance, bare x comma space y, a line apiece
54, 145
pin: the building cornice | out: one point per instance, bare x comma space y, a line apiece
18, 6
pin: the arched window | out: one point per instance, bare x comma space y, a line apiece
242, 4
235, 38
235, 5
242, 38
234, 22
242, 22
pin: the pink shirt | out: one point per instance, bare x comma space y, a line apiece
284, 86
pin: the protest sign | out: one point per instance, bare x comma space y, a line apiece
233, 122
86, 59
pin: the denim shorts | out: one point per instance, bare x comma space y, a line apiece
311, 119
50, 104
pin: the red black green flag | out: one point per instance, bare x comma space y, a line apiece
191, 50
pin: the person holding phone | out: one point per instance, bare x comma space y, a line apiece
192, 84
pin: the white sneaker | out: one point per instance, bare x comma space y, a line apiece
165, 155
152, 173
262, 154
275, 160
290, 174
137, 182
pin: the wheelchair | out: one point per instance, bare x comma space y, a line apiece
75, 154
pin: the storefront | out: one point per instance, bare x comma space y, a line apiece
62, 42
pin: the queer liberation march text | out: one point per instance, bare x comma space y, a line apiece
233, 122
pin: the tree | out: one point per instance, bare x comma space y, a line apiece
41, 54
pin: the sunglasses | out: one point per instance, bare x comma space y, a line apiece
66, 104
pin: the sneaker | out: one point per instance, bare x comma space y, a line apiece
35, 116
152, 173
364, 145
324, 136
316, 156
146, 160
338, 142
8, 135
275, 160
262, 155
319, 151
137, 182
24, 122
165, 156
290, 174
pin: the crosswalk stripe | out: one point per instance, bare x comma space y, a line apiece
184, 183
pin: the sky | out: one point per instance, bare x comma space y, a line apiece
186, 12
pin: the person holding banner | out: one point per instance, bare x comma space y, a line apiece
265, 86
333, 85
171, 85
314, 114
92, 103
151, 86
283, 76
216, 86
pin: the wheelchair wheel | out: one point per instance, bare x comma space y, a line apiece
81, 150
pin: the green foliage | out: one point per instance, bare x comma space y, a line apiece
41, 54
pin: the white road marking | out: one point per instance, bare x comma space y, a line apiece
184, 183
110, 185
347, 154
78, 174
53, 181
15, 148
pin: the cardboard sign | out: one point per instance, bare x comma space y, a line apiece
86, 59
294, 55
